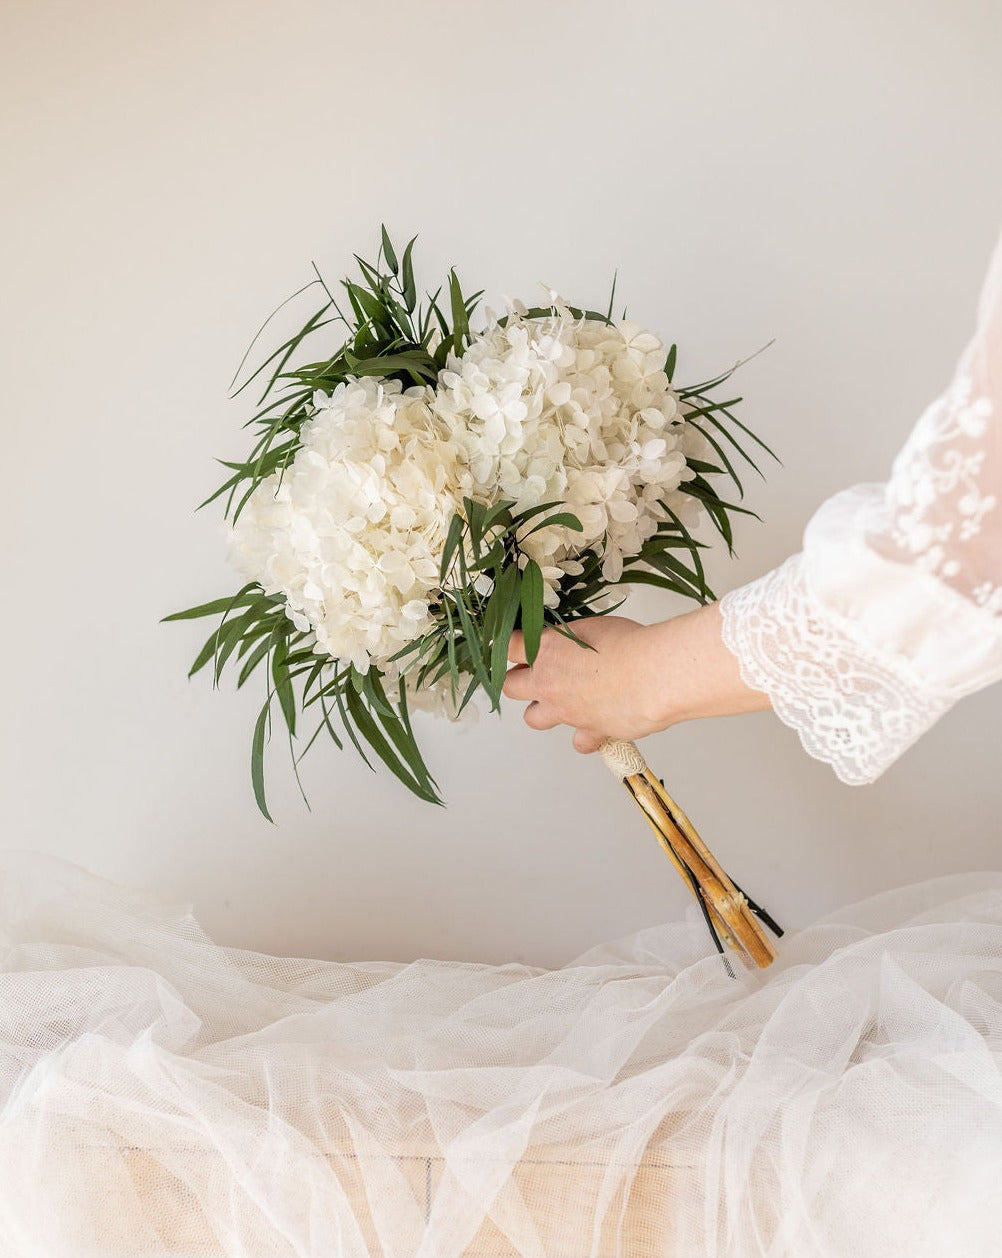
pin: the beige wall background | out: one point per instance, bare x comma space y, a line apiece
826, 175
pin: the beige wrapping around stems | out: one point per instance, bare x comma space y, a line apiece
728, 908
621, 757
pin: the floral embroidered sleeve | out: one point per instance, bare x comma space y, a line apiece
893, 608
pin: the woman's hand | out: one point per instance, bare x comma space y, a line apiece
637, 678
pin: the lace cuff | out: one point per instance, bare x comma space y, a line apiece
852, 705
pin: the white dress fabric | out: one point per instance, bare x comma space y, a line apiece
893, 609
161, 1094
164, 1095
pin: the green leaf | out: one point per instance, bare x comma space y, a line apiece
450, 648
388, 254
563, 627
532, 609
229, 636
408, 291
452, 540
531, 512
460, 318
398, 727
706, 495
564, 518
370, 274
327, 721
255, 658
507, 591
372, 734
369, 307
473, 642
389, 364
340, 689
374, 694
669, 566
283, 686
287, 347
722, 455
205, 654
218, 605
691, 544
703, 468
670, 363
257, 757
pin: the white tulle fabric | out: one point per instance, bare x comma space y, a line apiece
893, 609
163, 1095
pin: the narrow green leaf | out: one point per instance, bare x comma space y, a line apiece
702, 467
258, 333
473, 642
531, 512
218, 605
532, 609
388, 254
408, 291
255, 658
229, 636
398, 727
340, 692
668, 565
612, 298
509, 586
257, 757
460, 318
694, 547
389, 364
706, 494
327, 721
372, 690
283, 686
564, 627
205, 654
372, 734
563, 518
452, 540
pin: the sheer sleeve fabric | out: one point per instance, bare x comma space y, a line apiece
892, 610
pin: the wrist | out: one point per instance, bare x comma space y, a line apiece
691, 673
667, 693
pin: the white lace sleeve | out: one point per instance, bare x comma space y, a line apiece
893, 609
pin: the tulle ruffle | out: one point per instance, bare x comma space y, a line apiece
163, 1095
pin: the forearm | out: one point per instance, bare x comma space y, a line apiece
692, 673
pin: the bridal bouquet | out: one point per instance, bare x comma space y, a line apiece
421, 485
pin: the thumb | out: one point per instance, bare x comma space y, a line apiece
516, 648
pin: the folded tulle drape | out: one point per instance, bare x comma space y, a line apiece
163, 1095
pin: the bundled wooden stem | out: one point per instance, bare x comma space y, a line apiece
731, 916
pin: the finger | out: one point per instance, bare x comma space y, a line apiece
586, 741
536, 716
516, 648
518, 682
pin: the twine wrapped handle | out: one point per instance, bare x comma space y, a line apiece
729, 913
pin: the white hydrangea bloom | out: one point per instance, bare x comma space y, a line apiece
556, 409
352, 532
575, 411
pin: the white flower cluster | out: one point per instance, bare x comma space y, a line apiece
553, 409
352, 532
574, 411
